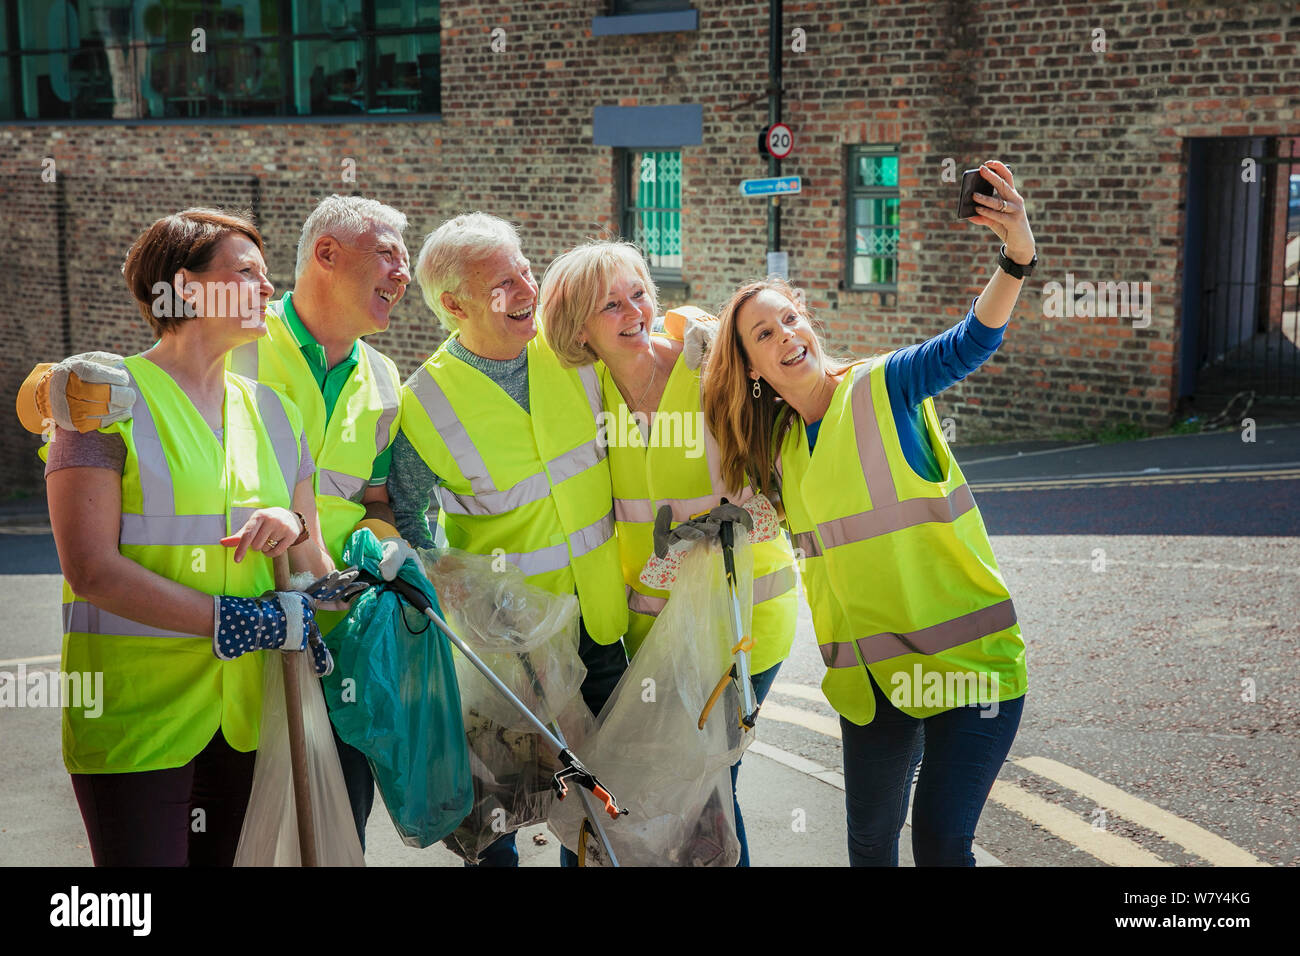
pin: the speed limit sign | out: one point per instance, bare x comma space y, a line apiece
777, 141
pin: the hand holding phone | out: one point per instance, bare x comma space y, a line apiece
972, 182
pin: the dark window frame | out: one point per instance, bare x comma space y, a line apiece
852, 192
11, 61
627, 213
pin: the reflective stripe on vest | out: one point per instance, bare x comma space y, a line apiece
181, 493
244, 361
369, 402
927, 640
387, 396
766, 587
487, 499
159, 524
341, 485
655, 472
278, 429
900, 574
529, 484
887, 513
86, 618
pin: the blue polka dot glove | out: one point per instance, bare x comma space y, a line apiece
279, 620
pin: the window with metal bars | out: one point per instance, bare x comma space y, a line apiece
871, 218
650, 207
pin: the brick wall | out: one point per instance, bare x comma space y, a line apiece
1097, 141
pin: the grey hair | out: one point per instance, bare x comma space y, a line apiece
344, 217
450, 248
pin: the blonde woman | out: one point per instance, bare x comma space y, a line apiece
914, 622
597, 304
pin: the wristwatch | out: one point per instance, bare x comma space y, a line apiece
1015, 269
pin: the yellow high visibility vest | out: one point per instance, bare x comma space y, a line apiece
680, 468
165, 693
898, 571
533, 487
364, 422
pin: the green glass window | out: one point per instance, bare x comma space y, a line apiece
184, 59
872, 218
651, 207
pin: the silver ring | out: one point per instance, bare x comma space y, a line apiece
1004, 206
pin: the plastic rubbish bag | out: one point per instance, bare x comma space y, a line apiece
513, 771
270, 833
528, 637
393, 695
647, 747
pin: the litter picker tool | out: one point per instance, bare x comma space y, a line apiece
721, 522
571, 769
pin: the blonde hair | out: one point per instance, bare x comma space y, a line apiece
450, 248
749, 431
575, 286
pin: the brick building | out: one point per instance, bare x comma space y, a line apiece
1152, 141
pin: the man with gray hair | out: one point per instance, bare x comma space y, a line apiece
352, 269
504, 438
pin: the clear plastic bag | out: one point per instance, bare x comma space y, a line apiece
528, 637
270, 833
647, 748
512, 772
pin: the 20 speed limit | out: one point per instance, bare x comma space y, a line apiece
779, 140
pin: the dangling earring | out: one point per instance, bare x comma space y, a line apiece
758, 389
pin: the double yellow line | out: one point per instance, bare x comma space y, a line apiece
1155, 478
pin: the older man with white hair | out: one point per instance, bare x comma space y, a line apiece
504, 439
352, 269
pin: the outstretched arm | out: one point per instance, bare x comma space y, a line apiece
1011, 225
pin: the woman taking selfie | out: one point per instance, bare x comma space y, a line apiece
166, 526
913, 620
597, 304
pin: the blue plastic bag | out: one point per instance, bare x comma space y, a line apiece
393, 695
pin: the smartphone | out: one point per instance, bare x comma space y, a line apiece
972, 182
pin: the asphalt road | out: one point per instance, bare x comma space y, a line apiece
1159, 607
1157, 585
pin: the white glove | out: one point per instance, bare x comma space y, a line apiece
695, 329
396, 551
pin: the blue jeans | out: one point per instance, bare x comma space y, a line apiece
761, 683
964, 750
605, 665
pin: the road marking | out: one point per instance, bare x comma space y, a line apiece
836, 779
1163, 565
1108, 847
828, 726
1164, 478
47, 659
1195, 840
1027, 454
802, 691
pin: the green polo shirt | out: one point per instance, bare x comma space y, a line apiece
331, 380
